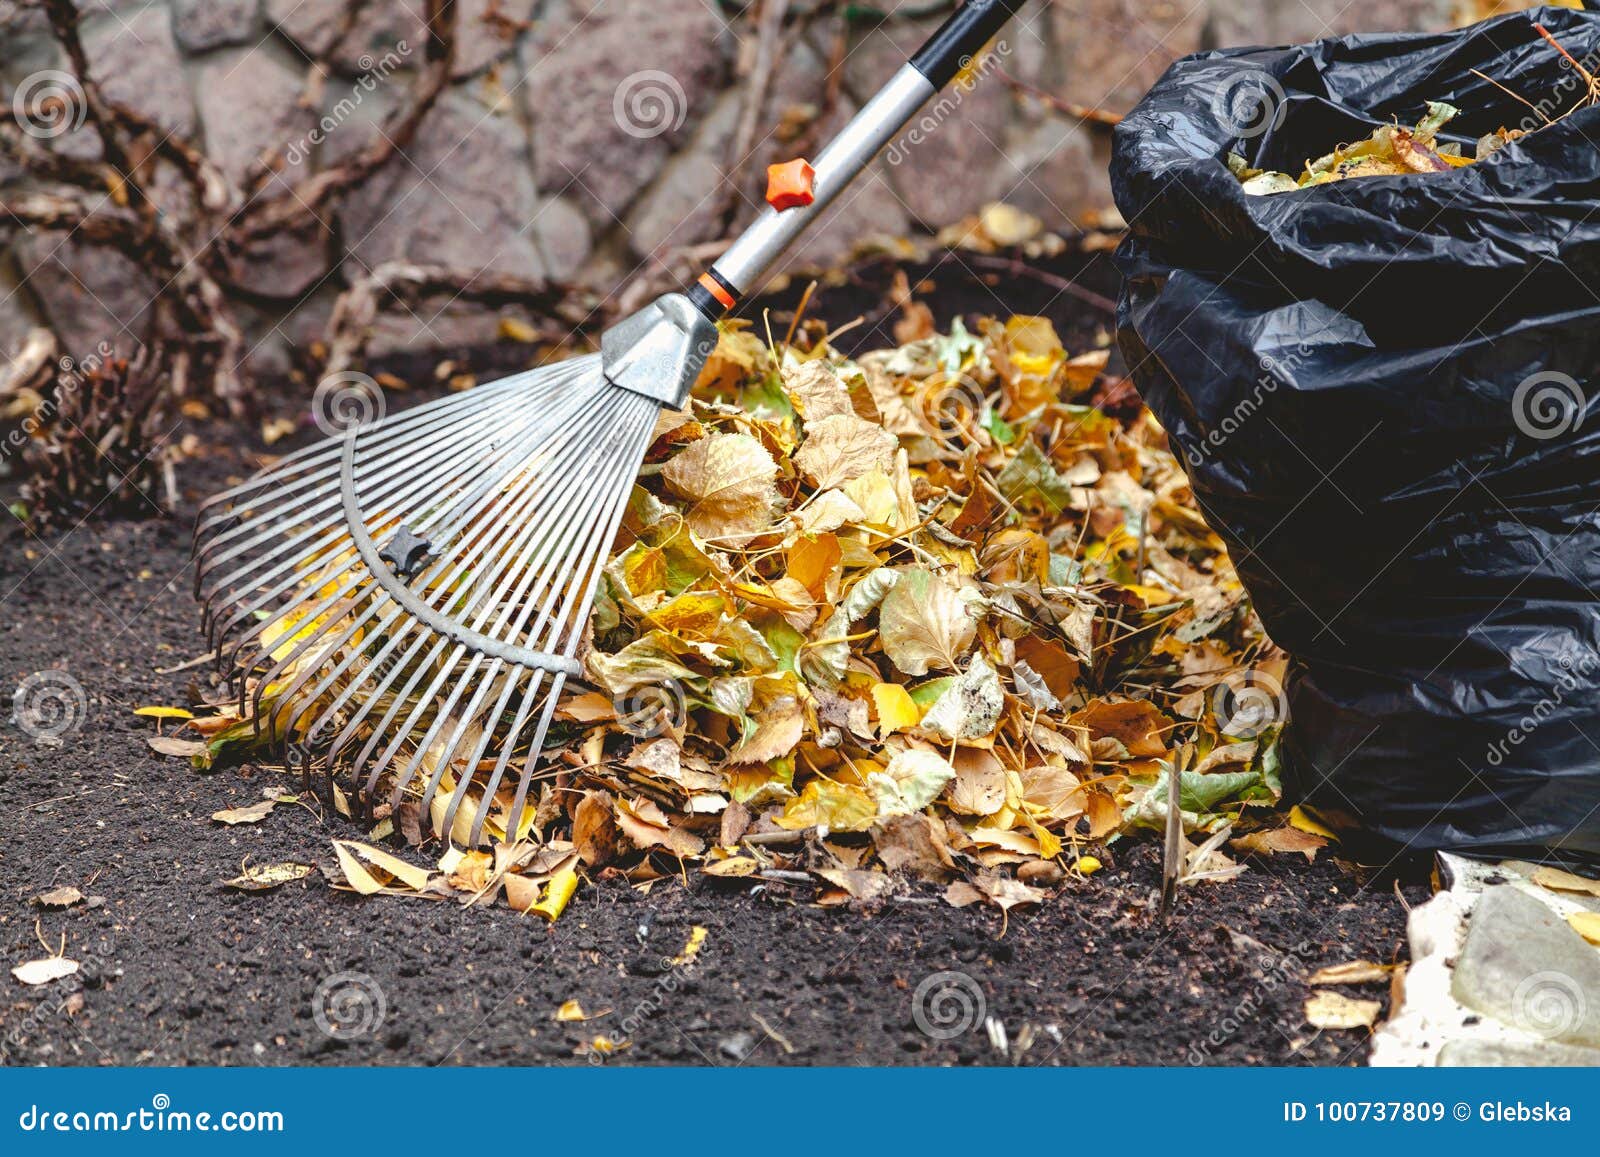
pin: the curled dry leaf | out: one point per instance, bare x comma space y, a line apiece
265, 877
1353, 972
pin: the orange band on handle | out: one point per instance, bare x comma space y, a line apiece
714, 288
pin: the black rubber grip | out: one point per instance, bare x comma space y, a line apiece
969, 28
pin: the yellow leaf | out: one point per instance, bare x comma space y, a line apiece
571, 1010
836, 806
163, 712
733, 866
691, 948
1587, 925
358, 862
924, 622
1300, 818
1087, 865
560, 889
515, 329
897, 711
264, 877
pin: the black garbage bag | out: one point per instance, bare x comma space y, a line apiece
1383, 392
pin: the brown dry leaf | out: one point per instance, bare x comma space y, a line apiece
1352, 972
980, 783
63, 897
841, 448
646, 826
1558, 881
859, 884
1335, 1010
1137, 725
173, 746
253, 814
816, 391
594, 829
729, 480
45, 971
1280, 840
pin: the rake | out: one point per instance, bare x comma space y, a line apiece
412, 594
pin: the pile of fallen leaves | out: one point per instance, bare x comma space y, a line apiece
922, 614
1393, 150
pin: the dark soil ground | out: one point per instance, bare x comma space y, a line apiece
179, 970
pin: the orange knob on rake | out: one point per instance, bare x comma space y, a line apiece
790, 185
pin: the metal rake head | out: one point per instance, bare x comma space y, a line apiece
415, 592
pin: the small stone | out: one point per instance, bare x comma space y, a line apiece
202, 25
613, 93
486, 31
1524, 966
737, 1045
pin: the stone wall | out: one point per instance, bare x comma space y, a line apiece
587, 139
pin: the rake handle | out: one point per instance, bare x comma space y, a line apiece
950, 49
